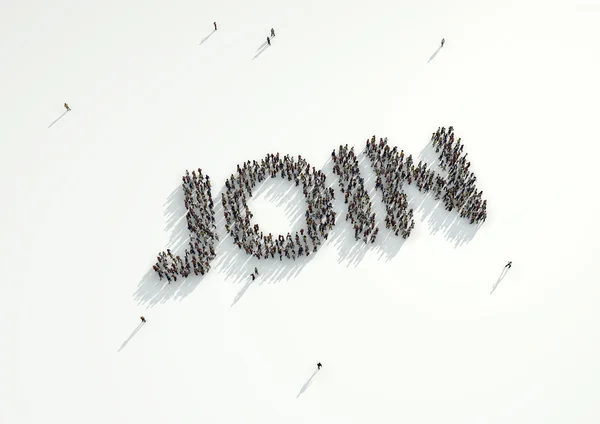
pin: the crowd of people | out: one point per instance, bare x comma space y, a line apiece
320, 216
352, 187
200, 219
393, 169
461, 192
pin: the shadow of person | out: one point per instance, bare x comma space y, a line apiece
207, 37
261, 50
241, 293
502, 275
435, 54
140, 325
58, 119
308, 383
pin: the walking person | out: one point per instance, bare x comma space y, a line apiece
215, 24
272, 32
268, 41
508, 265
443, 41
256, 270
143, 320
319, 365
67, 107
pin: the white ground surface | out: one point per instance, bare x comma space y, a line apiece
407, 332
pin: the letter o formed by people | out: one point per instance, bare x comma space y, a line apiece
320, 216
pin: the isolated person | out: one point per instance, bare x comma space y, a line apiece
319, 365
215, 24
508, 265
268, 41
256, 270
253, 277
143, 319
272, 32
443, 41
67, 107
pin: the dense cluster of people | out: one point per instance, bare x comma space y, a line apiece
200, 219
393, 169
320, 216
461, 192
352, 187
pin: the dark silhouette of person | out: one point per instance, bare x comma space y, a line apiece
215, 24
508, 265
272, 32
319, 365
67, 107
443, 41
143, 319
268, 41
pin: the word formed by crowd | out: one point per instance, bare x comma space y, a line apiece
393, 170
200, 218
352, 185
320, 216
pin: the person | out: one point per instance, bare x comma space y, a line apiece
67, 107
256, 270
508, 265
443, 41
253, 277
272, 32
215, 24
268, 41
143, 319
319, 365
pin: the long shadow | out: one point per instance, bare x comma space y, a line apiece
241, 293
262, 46
207, 37
502, 275
308, 383
435, 54
261, 50
58, 119
140, 325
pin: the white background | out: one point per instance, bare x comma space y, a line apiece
407, 332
